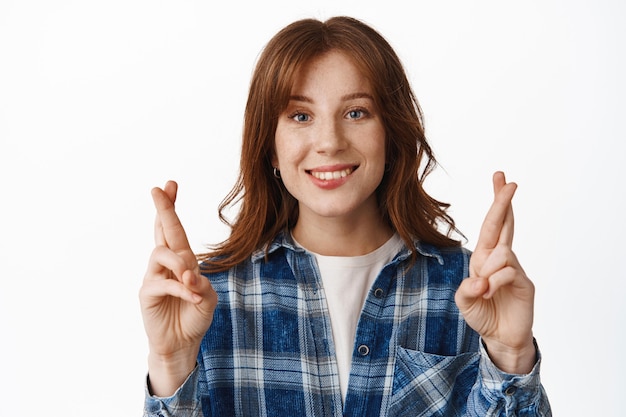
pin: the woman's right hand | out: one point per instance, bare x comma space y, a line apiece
177, 302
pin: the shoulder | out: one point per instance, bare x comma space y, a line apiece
443, 254
448, 265
272, 261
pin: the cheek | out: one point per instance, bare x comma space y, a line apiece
288, 152
280, 145
281, 157
278, 151
379, 147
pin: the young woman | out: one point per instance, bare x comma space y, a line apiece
340, 290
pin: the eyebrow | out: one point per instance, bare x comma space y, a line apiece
352, 96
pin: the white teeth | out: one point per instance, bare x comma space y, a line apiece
324, 176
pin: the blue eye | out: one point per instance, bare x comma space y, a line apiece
300, 117
355, 114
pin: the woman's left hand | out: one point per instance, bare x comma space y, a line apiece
497, 299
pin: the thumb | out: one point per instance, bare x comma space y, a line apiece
201, 287
469, 291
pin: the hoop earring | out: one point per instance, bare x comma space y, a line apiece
276, 173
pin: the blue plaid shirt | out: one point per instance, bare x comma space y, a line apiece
269, 350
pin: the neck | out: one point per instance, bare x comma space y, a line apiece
342, 237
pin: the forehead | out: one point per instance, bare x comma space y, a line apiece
333, 69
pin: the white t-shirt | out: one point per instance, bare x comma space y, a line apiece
346, 281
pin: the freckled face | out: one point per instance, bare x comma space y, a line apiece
330, 141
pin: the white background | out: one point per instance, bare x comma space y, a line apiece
102, 100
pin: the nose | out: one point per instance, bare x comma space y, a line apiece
330, 137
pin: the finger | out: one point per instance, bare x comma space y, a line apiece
501, 257
469, 291
163, 261
499, 180
492, 227
200, 285
503, 277
169, 226
170, 189
508, 226
153, 291
159, 237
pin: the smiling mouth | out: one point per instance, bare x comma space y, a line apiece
333, 175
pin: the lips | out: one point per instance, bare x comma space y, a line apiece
332, 175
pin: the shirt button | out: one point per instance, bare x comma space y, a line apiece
510, 390
378, 293
364, 350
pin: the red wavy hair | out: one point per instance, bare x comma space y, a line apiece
266, 207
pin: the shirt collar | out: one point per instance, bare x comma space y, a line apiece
284, 240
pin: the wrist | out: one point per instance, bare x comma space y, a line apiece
512, 360
166, 373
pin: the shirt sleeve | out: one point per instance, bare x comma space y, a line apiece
505, 395
184, 402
